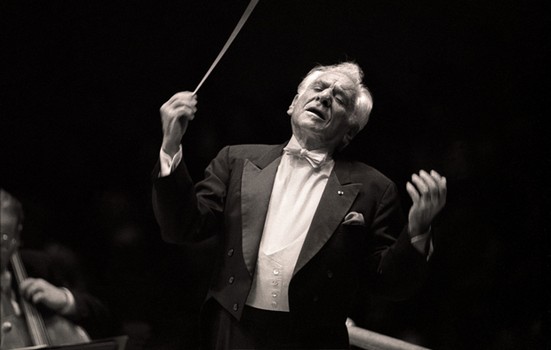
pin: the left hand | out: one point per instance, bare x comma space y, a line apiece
40, 291
428, 196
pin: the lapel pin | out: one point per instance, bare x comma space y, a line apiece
340, 193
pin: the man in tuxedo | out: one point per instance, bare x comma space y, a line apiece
301, 230
47, 289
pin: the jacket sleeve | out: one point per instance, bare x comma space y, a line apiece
399, 268
186, 212
93, 315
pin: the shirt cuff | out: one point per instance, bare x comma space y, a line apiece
70, 307
423, 244
168, 164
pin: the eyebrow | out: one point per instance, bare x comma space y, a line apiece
325, 82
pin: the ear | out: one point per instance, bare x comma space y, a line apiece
347, 138
292, 106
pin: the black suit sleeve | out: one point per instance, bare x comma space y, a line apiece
188, 213
400, 269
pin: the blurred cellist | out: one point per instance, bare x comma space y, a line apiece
45, 288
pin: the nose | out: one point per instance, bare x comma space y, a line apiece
325, 98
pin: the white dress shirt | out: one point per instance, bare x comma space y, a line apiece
296, 193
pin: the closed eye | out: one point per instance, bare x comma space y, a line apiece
317, 88
341, 100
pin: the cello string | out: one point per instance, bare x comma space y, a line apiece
236, 30
35, 323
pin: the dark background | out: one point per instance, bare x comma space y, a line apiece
458, 87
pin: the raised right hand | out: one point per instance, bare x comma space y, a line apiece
175, 116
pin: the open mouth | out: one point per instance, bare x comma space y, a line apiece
317, 113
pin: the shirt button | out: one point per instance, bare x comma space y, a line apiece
274, 295
230, 252
6, 327
274, 303
329, 274
275, 282
276, 272
235, 307
231, 279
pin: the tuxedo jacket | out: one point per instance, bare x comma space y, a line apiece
342, 254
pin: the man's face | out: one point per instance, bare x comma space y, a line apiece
320, 114
9, 236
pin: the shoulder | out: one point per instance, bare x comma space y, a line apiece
362, 172
374, 183
249, 151
37, 263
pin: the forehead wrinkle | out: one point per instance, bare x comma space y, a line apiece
336, 84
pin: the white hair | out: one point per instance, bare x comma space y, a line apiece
364, 102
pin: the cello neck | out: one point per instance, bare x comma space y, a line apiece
37, 328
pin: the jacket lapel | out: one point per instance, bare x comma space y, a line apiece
336, 200
256, 189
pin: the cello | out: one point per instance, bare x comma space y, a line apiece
40, 332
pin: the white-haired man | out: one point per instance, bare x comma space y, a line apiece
301, 229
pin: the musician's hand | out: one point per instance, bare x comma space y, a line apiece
40, 291
428, 196
175, 116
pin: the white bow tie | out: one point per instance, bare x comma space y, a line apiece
316, 159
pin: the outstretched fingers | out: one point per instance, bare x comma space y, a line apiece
428, 193
441, 184
412, 191
429, 187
